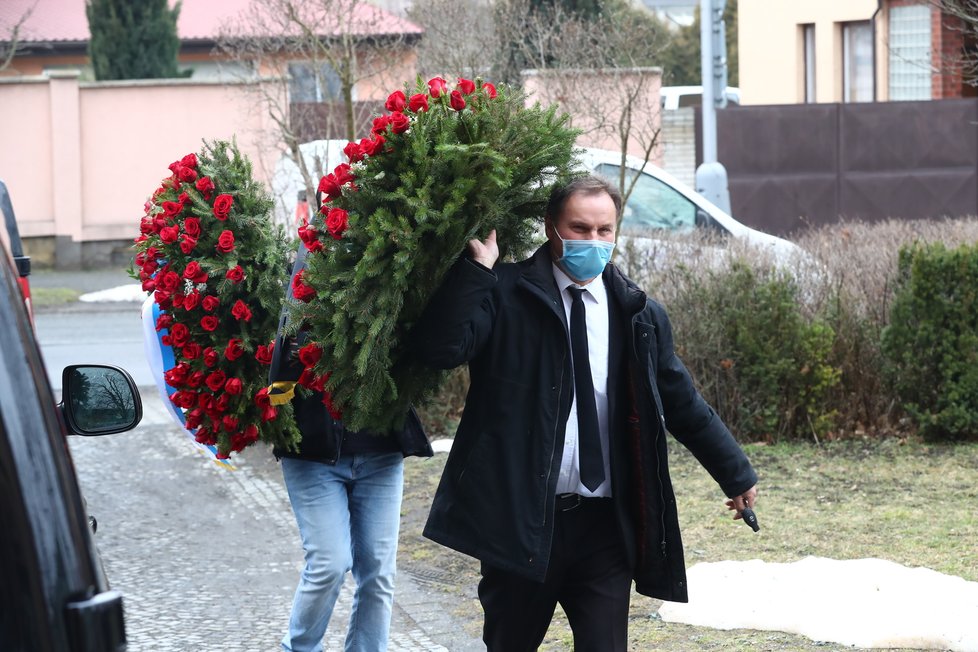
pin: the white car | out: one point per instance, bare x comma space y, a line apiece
678, 97
659, 201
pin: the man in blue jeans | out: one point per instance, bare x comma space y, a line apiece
345, 488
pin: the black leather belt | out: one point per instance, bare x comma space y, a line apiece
567, 502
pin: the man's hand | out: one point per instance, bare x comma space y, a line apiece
746, 499
486, 253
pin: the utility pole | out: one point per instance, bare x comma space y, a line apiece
711, 176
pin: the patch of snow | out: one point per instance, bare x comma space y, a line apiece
869, 603
129, 292
442, 445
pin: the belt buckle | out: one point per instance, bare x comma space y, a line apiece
577, 498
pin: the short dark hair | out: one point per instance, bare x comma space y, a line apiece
585, 185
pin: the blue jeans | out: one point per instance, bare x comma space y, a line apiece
348, 517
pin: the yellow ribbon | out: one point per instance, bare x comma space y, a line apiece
281, 392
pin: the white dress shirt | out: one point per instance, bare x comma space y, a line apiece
596, 307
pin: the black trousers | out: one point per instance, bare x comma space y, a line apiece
589, 576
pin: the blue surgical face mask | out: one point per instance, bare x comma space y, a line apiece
584, 259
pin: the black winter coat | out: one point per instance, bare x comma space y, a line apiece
496, 497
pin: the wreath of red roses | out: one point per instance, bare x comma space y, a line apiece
205, 251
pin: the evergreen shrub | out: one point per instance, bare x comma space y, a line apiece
931, 344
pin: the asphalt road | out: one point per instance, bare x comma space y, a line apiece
207, 558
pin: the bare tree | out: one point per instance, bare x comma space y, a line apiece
460, 37
597, 68
11, 44
312, 58
964, 14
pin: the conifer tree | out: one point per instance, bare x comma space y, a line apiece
133, 39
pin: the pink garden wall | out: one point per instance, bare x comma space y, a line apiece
80, 159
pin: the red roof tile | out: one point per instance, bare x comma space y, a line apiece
65, 20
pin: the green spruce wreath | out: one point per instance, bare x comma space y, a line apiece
444, 166
214, 261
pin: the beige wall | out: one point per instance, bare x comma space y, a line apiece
771, 48
594, 100
80, 159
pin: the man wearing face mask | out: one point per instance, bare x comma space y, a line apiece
558, 479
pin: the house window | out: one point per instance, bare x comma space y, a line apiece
910, 54
307, 83
808, 42
857, 62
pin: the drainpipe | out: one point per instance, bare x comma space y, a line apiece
872, 23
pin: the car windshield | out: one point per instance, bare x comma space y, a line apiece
652, 204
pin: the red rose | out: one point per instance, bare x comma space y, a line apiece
147, 226
396, 101
210, 303
162, 298
372, 147
230, 423
192, 351
169, 234
187, 175
177, 376
187, 243
209, 323
215, 380
235, 274
310, 237
240, 310
191, 301
330, 187
233, 351
221, 403
250, 433
194, 418
179, 334
233, 386
194, 272
196, 379
261, 398
169, 281
225, 242
183, 399
310, 354
264, 353
457, 102
337, 221
172, 208
489, 89
164, 321
418, 103
300, 290
149, 284
206, 437
380, 124
466, 85
191, 226
205, 401
343, 174
353, 152
222, 206
184, 199
190, 160
210, 357
150, 267
400, 123
437, 86
205, 186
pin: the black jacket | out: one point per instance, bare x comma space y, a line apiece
324, 438
495, 500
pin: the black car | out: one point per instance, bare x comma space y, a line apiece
53, 593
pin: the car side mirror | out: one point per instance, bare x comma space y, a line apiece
703, 219
99, 400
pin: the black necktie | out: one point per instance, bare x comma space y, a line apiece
589, 440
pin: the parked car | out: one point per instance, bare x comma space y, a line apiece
22, 262
54, 596
678, 97
661, 202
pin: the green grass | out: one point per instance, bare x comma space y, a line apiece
908, 502
48, 297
